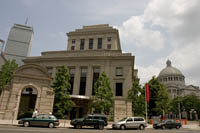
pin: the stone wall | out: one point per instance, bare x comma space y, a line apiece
122, 108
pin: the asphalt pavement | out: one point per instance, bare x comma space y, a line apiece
20, 129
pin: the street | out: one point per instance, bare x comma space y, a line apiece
19, 129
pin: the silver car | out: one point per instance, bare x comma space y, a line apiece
130, 122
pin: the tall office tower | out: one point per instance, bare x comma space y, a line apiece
19, 43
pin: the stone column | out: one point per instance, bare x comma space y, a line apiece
89, 81
76, 81
86, 47
54, 72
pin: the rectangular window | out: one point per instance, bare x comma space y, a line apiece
119, 89
96, 72
109, 39
119, 71
71, 81
72, 47
99, 43
90, 43
82, 44
83, 81
109, 46
73, 41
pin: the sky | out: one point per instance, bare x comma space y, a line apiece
152, 30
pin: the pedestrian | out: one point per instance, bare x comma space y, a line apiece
35, 113
50, 113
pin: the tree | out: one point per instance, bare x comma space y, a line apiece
186, 104
61, 86
174, 104
6, 73
102, 101
137, 95
159, 99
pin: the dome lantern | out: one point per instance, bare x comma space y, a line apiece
169, 64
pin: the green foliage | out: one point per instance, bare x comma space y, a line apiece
174, 104
159, 99
186, 104
137, 95
102, 101
61, 86
6, 73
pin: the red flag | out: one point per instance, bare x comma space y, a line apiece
147, 92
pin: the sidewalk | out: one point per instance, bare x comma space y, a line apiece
193, 125
66, 124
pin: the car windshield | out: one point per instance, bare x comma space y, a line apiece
52, 117
124, 119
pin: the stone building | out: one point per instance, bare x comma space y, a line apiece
19, 43
90, 51
2, 59
174, 80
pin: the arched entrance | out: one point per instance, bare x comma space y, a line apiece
27, 102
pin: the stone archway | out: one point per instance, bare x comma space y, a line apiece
27, 102
30, 82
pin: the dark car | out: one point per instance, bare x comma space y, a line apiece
167, 124
40, 120
96, 121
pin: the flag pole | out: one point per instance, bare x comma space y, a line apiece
146, 103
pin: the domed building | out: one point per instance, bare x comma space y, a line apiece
174, 80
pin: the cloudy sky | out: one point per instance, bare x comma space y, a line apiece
152, 30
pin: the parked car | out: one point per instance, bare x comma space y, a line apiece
94, 120
167, 124
40, 120
130, 122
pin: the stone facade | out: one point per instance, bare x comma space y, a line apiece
90, 51
122, 108
174, 80
27, 76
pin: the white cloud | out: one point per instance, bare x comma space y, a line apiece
179, 31
134, 30
28, 3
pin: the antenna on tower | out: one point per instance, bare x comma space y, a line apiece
26, 21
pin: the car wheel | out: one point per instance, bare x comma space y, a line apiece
78, 126
51, 125
141, 127
177, 127
26, 124
163, 127
101, 127
122, 127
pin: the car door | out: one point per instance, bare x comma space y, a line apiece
129, 123
45, 120
96, 120
136, 122
88, 120
168, 124
37, 120
173, 125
